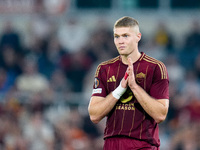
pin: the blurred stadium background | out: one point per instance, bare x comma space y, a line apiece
49, 50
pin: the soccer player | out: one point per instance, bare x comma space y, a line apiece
132, 91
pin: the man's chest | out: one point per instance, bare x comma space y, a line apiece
143, 75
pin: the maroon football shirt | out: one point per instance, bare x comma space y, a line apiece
128, 118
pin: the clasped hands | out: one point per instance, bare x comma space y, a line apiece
129, 78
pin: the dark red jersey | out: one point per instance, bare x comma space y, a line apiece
128, 118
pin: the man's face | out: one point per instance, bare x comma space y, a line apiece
126, 39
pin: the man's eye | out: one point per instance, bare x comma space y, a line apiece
125, 35
116, 36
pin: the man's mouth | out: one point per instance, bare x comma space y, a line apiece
122, 47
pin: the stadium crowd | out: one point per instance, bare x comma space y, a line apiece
45, 85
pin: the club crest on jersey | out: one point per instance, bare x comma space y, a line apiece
96, 83
140, 77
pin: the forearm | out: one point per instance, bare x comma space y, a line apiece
157, 109
100, 107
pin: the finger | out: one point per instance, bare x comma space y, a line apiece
126, 75
124, 82
130, 63
130, 66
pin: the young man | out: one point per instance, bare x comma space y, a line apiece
132, 90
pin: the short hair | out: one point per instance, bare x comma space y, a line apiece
126, 22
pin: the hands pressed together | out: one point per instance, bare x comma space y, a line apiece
129, 78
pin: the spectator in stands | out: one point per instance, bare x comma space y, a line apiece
72, 35
186, 138
175, 70
99, 42
190, 87
6, 82
76, 67
10, 62
31, 80
59, 82
197, 66
39, 133
51, 59
192, 39
163, 37
10, 37
191, 45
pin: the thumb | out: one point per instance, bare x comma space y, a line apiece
130, 65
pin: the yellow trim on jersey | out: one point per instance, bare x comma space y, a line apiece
117, 74
122, 124
145, 79
133, 121
107, 75
105, 63
111, 60
97, 71
142, 125
114, 123
141, 57
159, 63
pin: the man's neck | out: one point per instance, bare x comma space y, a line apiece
134, 56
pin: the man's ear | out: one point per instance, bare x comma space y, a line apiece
139, 35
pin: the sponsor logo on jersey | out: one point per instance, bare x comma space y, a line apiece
111, 79
98, 90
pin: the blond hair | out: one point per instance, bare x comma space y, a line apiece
126, 22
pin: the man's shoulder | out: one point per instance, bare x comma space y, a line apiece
157, 65
151, 60
105, 65
110, 61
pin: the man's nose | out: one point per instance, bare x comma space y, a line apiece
121, 40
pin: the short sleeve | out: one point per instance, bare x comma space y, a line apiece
160, 85
99, 86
